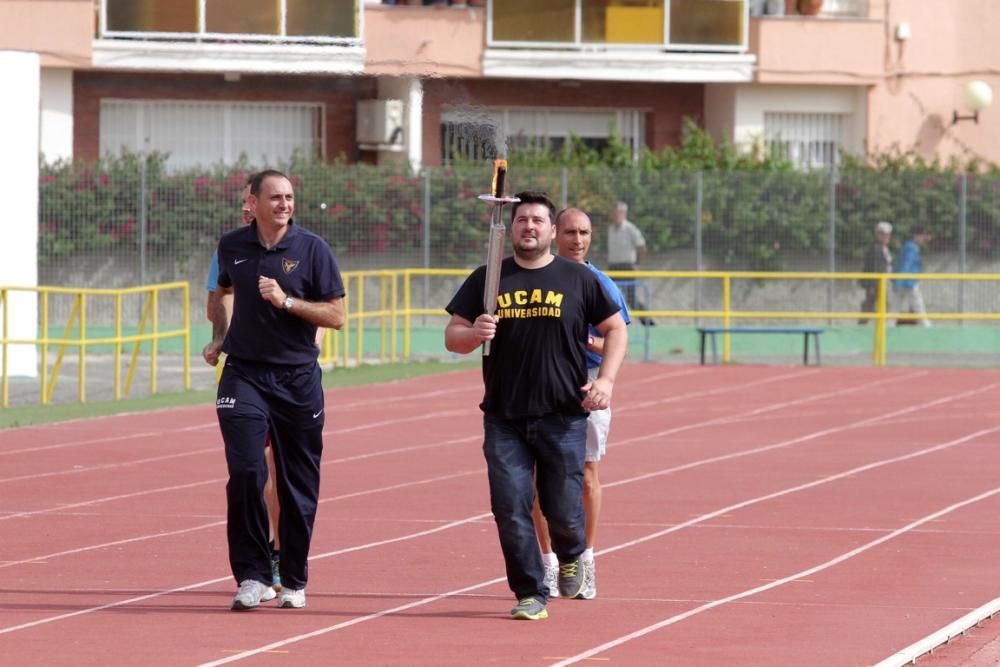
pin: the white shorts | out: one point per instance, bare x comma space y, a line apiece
598, 425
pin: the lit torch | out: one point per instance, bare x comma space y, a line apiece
494, 251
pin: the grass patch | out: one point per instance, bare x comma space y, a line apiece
28, 415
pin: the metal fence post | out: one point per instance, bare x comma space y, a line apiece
963, 194
143, 240
832, 243
699, 260
427, 242
564, 188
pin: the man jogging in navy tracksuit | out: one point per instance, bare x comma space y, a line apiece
286, 283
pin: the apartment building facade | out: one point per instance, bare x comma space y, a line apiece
211, 81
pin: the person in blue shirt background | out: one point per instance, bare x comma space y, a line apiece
574, 232
907, 290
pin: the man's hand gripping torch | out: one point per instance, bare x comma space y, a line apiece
495, 249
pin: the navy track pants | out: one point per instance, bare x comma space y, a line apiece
255, 399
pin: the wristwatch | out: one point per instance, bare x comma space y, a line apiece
287, 304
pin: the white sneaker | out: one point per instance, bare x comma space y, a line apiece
589, 591
251, 594
292, 599
552, 579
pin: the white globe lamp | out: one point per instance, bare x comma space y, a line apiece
976, 96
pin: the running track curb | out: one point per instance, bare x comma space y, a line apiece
909, 655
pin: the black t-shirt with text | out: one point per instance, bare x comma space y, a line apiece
537, 360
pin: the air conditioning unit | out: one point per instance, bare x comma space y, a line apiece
380, 122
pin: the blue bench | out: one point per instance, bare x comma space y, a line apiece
806, 332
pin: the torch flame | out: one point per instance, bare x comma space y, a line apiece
499, 172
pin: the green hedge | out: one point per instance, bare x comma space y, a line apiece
754, 211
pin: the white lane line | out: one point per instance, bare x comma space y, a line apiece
662, 376
474, 518
210, 582
346, 624
666, 471
409, 396
779, 582
217, 448
793, 441
466, 439
215, 524
354, 621
89, 441
706, 517
220, 480
742, 416
427, 416
76, 470
909, 655
641, 405
105, 545
672, 399
800, 487
435, 598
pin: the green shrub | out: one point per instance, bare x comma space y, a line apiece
754, 209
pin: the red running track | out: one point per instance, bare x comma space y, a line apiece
752, 516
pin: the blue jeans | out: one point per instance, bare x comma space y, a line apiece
546, 451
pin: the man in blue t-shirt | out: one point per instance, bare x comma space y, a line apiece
574, 233
907, 290
537, 395
212, 283
285, 283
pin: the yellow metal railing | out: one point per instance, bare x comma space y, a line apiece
881, 317
147, 330
396, 309
392, 317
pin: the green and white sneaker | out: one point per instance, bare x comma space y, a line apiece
529, 609
571, 579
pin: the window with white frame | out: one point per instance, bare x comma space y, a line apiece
252, 20
484, 133
853, 8
194, 133
689, 25
807, 140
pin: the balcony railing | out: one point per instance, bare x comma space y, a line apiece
297, 21
845, 8
829, 9
687, 25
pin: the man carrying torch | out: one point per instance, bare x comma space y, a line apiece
537, 393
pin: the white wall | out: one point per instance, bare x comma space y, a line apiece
57, 114
19, 121
720, 110
411, 91
737, 111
